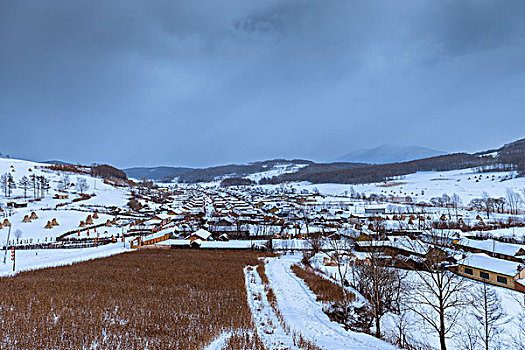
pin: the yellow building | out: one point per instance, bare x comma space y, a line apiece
498, 272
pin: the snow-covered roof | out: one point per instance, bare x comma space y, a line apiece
491, 245
411, 245
163, 216
202, 234
484, 262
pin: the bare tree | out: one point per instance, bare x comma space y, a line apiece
18, 235
488, 314
379, 284
24, 184
4, 183
519, 338
63, 183
337, 253
314, 243
33, 184
456, 202
488, 204
513, 200
437, 294
82, 185
306, 220
11, 185
42, 185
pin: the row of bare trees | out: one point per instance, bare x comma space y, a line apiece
39, 185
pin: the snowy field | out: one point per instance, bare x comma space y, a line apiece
422, 186
42, 258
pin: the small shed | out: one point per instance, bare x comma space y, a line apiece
200, 234
6, 223
196, 243
60, 196
54, 222
33, 216
89, 220
26, 219
49, 225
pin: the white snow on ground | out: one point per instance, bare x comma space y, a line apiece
42, 258
68, 221
276, 171
305, 315
432, 183
269, 328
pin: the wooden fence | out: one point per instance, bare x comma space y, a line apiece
150, 241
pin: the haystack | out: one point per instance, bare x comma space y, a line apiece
6, 223
1, 227
49, 225
95, 215
82, 224
89, 220
114, 221
108, 223
54, 222
26, 219
33, 216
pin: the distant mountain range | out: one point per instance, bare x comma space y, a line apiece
159, 173
385, 154
362, 166
55, 162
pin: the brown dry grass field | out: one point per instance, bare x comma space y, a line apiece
147, 299
325, 290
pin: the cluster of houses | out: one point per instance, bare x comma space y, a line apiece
199, 214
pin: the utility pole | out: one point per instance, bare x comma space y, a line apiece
13, 257
123, 239
7, 243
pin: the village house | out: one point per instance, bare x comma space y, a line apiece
375, 210
498, 272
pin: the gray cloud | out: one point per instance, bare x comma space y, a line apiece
209, 82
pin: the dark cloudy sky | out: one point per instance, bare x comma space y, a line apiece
196, 83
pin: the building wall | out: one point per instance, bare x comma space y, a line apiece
493, 279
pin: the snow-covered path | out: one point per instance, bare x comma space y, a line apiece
269, 328
305, 315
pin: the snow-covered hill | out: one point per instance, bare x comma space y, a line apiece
422, 186
67, 212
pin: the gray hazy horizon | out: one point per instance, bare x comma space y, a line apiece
198, 83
